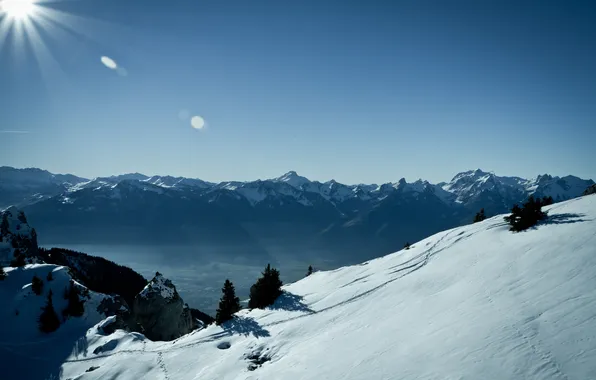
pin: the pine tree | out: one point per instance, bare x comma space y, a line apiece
21, 217
310, 270
37, 285
529, 215
75, 306
19, 260
480, 216
228, 304
48, 320
546, 201
266, 290
2, 273
34, 238
4, 225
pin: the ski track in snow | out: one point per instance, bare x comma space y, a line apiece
162, 365
423, 259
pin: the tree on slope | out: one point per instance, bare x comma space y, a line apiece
21, 217
4, 225
310, 270
75, 306
480, 216
19, 260
546, 201
529, 215
48, 320
37, 285
228, 304
590, 190
266, 290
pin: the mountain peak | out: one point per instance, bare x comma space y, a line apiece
293, 179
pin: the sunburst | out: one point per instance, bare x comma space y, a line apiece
18, 9
30, 22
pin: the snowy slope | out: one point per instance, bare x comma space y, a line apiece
32, 354
475, 302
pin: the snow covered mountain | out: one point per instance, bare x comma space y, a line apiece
497, 194
287, 210
26, 186
477, 302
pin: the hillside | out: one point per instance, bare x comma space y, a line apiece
32, 354
477, 302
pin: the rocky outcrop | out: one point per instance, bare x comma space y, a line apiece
590, 190
18, 241
161, 312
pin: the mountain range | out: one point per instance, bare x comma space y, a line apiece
360, 221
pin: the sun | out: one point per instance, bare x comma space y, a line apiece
17, 9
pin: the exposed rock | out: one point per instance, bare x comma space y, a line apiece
114, 305
161, 312
18, 241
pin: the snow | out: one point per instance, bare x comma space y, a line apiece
474, 302
469, 184
158, 285
32, 354
177, 182
293, 179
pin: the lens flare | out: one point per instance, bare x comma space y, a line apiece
18, 9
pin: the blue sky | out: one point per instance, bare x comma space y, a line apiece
358, 91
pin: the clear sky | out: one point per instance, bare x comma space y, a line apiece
358, 91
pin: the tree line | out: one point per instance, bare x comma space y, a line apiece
263, 293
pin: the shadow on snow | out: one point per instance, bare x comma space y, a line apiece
245, 326
291, 302
565, 219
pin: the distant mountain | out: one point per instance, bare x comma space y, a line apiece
260, 216
20, 187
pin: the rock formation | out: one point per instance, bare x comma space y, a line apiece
161, 312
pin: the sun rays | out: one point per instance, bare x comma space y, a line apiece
18, 9
29, 29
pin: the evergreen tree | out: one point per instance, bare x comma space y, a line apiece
4, 225
19, 260
480, 216
34, 238
2, 273
546, 201
228, 304
75, 306
529, 215
48, 320
310, 270
266, 290
37, 285
21, 217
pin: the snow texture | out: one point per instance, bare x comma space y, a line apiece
26, 352
474, 302
159, 285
